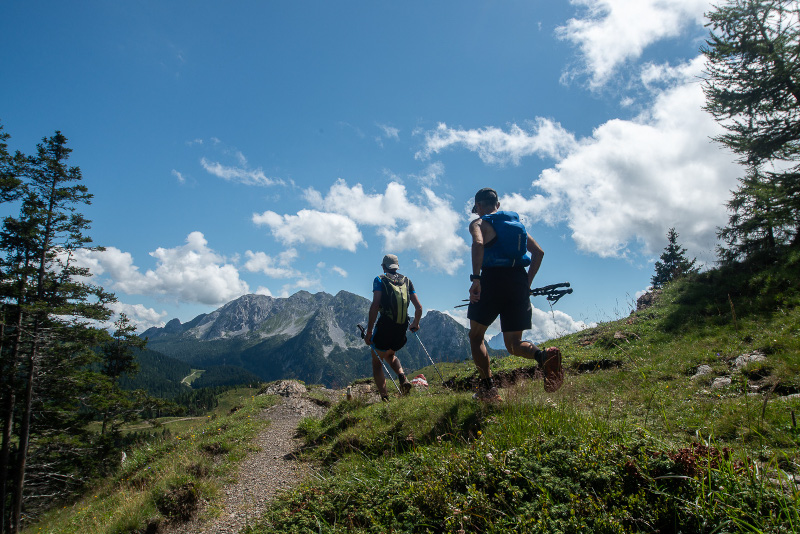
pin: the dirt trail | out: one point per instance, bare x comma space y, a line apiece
263, 473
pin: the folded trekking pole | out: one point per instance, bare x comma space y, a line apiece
429, 357
553, 292
375, 353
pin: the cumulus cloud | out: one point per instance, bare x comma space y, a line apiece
426, 224
276, 267
190, 273
140, 316
240, 174
495, 146
545, 325
312, 227
632, 180
612, 32
552, 325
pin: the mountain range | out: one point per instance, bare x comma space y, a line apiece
309, 337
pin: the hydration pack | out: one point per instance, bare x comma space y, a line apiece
394, 301
510, 247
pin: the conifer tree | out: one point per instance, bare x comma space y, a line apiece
673, 263
49, 311
753, 90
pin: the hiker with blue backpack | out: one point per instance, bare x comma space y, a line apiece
501, 251
391, 294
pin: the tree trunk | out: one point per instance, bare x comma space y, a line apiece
24, 436
8, 424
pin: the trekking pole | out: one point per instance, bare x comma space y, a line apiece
375, 353
429, 356
553, 293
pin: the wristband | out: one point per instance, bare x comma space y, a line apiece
474, 277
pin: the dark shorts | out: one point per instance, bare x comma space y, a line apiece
504, 292
389, 335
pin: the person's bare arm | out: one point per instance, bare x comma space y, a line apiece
414, 326
536, 258
373, 316
476, 232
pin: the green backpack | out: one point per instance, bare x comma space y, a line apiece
394, 302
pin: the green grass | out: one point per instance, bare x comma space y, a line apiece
631, 442
160, 480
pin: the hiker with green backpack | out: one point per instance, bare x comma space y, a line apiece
505, 260
391, 294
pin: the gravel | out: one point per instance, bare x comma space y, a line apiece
263, 474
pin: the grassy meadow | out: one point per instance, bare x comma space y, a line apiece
681, 417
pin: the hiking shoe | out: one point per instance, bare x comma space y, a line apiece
385, 398
405, 387
553, 371
491, 396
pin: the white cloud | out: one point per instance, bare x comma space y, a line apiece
338, 270
633, 180
431, 174
276, 267
189, 273
388, 132
545, 324
239, 174
140, 316
494, 146
552, 325
178, 176
312, 227
263, 291
612, 32
427, 224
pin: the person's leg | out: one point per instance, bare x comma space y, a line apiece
380, 379
549, 359
477, 345
516, 346
394, 362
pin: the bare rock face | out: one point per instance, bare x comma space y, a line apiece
647, 300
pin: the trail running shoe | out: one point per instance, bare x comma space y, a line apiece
405, 387
488, 395
553, 371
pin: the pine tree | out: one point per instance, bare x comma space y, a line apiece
753, 90
49, 331
673, 262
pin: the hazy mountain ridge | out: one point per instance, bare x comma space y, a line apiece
310, 337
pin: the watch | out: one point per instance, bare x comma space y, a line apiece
474, 277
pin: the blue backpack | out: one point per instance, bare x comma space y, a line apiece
510, 248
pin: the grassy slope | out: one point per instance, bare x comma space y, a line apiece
165, 479
630, 443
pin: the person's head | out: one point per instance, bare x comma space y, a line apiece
485, 201
390, 263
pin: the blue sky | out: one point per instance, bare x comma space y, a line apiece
269, 147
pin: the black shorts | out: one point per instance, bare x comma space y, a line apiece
389, 334
505, 292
